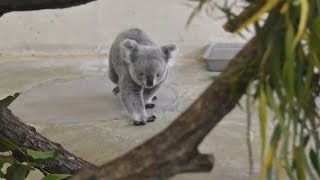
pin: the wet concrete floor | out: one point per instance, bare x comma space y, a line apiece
70, 101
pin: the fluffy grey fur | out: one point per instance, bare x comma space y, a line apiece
138, 66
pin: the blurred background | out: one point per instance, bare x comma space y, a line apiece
91, 28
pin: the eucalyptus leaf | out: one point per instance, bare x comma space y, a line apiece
56, 176
288, 50
6, 159
6, 145
2, 175
306, 139
8, 100
17, 172
263, 118
38, 155
299, 158
315, 27
315, 161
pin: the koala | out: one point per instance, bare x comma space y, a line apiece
138, 66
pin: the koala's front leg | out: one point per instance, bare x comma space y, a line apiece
132, 100
149, 96
116, 90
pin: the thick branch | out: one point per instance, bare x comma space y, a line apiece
26, 137
175, 150
27, 5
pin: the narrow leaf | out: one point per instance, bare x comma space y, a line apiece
315, 27
303, 21
2, 175
6, 145
315, 161
38, 155
255, 17
299, 158
263, 119
8, 100
6, 159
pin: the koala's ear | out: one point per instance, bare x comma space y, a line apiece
127, 47
169, 51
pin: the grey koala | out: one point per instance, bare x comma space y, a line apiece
138, 66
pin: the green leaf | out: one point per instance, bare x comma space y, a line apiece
299, 160
8, 100
306, 140
315, 161
263, 119
289, 69
38, 155
257, 15
2, 175
276, 135
17, 172
315, 27
6, 145
55, 176
6, 159
303, 21
1, 164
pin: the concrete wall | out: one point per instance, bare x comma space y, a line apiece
91, 28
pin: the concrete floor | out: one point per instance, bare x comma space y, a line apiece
69, 100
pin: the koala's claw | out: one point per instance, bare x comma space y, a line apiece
139, 123
151, 119
149, 106
154, 98
116, 90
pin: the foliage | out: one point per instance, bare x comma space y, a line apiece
29, 160
8, 100
17, 170
288, 83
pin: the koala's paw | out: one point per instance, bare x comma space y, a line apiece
143, 122
139, 123
149, 106
154, 98
116, 90
151, 119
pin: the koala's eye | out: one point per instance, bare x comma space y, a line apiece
158, 75
141, 74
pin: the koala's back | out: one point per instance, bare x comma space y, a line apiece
136, 34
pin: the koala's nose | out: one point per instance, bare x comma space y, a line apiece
149, 82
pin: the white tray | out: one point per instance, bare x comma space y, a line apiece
217, 56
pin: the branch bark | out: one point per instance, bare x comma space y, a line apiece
175, 150
26, 137
28, 5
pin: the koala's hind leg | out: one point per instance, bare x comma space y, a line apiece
114, 78
149, 96
113, 75
132, 100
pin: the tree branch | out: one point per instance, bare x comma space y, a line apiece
175, 150
26, 137
28, 5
